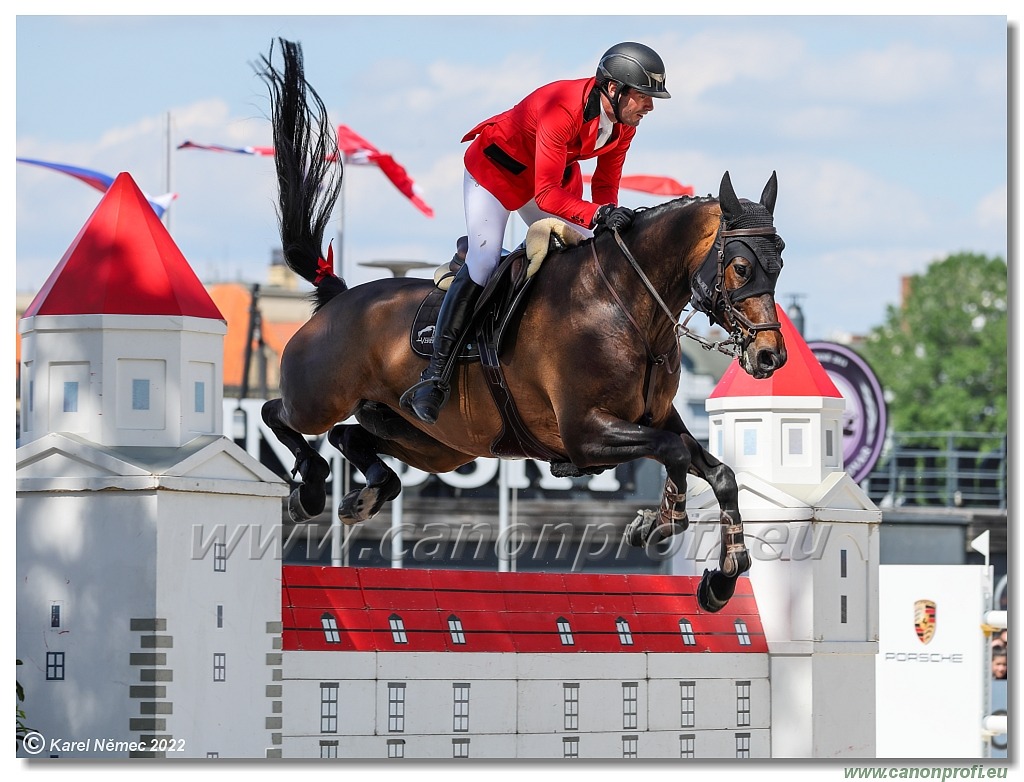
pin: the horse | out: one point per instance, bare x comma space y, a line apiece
591, 360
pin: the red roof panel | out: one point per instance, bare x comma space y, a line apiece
802, 375
123, 262
504, 612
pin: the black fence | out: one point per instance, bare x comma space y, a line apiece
941, 469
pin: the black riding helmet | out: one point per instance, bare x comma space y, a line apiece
633, 65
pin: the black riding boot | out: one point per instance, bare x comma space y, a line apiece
426, 398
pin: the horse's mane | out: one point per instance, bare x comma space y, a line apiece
648, 213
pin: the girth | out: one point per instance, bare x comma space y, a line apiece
502, 298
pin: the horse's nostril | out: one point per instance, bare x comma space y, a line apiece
768, 360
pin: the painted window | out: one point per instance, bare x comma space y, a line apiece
328, 749
687, 704
741, 632
625, 636
199, 394
220, 557
397, 629
750, 442
687, 748
795, 441
396, 748
71, 396
686, 630
629, 709
455, 629
571, 706
460, 748
460, 707
742, 704
330, 626
329, 707
570, 746
55, 666
743, 745
396, 707
629, 746
564, 631
140, 394
220, 667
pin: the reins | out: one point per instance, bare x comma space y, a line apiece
732, 346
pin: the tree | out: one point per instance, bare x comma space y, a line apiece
942, 355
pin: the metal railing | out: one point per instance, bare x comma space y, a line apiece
941, 469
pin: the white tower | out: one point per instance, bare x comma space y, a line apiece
148, 602
813, 537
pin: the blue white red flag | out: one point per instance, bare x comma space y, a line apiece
100, 181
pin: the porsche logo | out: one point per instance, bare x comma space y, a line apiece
924, 620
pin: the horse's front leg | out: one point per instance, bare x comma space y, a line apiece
717, 586
606, 440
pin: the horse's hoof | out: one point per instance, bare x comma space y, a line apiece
633, 535
363, 504
637, 531
714, 591
296, 512
358, 505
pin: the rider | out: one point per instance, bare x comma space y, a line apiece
526, 159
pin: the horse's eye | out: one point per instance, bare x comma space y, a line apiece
742, 270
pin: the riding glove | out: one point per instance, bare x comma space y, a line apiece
611, 217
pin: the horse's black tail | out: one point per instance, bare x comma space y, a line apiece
309, 169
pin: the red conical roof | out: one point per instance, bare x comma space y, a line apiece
802, 375
123, 262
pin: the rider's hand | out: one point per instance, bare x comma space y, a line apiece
610, 217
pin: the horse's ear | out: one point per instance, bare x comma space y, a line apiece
771, 191
731, 207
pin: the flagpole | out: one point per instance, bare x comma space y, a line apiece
167, 158
342, 258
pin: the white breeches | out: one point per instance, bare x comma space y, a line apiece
486, 219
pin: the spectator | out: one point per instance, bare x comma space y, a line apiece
999, 662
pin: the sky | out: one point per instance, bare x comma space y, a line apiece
888, 133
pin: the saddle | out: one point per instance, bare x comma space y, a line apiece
504, 296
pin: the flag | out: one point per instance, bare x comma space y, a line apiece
359, 151
258, 151
657, 185
101, 182
355, 150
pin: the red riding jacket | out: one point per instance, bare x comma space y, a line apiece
532, 151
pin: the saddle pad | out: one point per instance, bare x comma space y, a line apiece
422, 335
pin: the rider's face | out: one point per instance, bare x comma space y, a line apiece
633, 106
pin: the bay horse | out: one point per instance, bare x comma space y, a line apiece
591, 361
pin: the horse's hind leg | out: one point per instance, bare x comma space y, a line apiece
362, 448
309, 498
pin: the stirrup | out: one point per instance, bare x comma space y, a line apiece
437, 392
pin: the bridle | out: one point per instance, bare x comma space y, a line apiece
744, 331
719, 299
